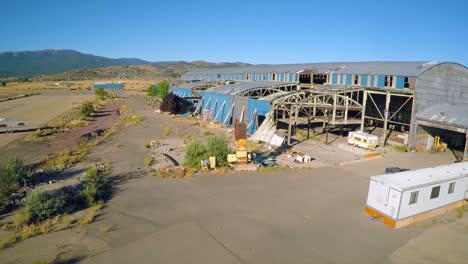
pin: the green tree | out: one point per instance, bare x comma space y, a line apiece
87, 108
101, 93
195, 152
3, 83
218, 147
152, 91
163, 89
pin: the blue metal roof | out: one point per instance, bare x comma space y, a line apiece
402, 68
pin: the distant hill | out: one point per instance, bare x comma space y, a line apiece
159, 70
74, 65
31, 63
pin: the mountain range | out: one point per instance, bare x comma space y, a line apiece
46, 62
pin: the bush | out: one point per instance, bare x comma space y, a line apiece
17, 169
96, 187
87, 108
101, 93
21, 218
8, 185
172, 104
194, 153
152, 91
41, 205
76, 123
163, 89
218, 147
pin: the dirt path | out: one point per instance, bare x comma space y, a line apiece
105, 118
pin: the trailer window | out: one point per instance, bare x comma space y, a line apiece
20, 124
435, 192
451, 187
413, 197
3, 125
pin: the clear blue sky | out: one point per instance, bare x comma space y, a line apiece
248, 31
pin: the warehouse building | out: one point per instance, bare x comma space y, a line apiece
423, 100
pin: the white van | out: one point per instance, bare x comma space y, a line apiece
362, 139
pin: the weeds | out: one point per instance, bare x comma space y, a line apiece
208, 133
149, 160
91, 214
131, 120
34, 135
105, 229
21, 218
76, 123
166, 131
401, 148
126, 109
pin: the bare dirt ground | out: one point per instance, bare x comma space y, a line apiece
292, 216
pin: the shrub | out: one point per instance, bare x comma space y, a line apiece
101, 93
96, 187
34, 135
87, 108
41, 205
163, 89
8, 185
218, 147
17, 169
91, 214
131, 120
152, 91
194, 153
172, 104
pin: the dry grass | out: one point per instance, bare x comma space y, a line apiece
36, 135
126, 109
91, 214
254, 146
76, 123
166, 131
149, 160
21, 218
131, 120
105, 229
221, 170
171, 172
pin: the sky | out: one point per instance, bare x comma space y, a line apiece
247, 31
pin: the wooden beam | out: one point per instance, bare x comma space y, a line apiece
364, 103
388, 97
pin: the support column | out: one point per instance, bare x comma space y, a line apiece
363, 113
387, 104
465, 154
290, 125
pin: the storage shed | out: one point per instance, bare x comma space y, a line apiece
108, 86
407, 197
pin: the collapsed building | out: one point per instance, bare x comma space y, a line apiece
419, 101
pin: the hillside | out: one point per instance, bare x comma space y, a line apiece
152, 71
32, 63
74, 65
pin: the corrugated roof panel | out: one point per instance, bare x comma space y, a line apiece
402, 68
244, 86
446, 113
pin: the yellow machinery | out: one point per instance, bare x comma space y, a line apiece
438, 145
241, 155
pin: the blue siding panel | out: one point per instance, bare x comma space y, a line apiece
334, 78
381, 81
349, 79
262, 108
363, 79
215, 103
400, 82
109, 86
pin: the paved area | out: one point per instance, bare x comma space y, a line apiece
293, 216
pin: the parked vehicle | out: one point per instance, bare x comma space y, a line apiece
362, 139
390, 170
8, 125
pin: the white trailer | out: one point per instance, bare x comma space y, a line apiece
362, 139
11, 125
406, 197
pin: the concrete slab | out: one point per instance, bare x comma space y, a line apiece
179, 243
